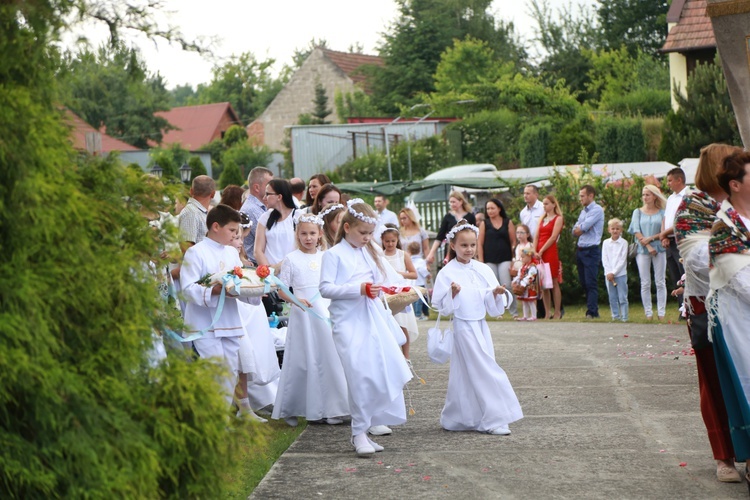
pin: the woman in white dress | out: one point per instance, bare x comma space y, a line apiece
274, 236
363, 330
480, 397
312, 382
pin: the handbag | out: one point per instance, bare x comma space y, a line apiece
632, 250
546, 275
439, 343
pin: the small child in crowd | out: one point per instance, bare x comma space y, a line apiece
331, 217
527, 284
615, 263
401, 262
221, 338
523, 240
364, 332
423, 279
480, 397
312, 381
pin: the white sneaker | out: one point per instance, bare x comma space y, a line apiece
334, 421
375, 445
291, 421
249, 413
362, 445
503, 430
380, 430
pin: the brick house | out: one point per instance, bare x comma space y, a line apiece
198, 125
690, 41
336, 71
86, 138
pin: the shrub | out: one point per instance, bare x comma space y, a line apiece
196, 167
230, 175
620, 140
533, 145
490, 137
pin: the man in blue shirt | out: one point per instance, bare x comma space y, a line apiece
588, 230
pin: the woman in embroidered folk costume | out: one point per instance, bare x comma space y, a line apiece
312, 381
480, 397
729, 309
692, 227
364, 331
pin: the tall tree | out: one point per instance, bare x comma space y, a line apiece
564, 36
423, 30
638, 25
247, 83
112, 88
704, 117
83, 414
320, 106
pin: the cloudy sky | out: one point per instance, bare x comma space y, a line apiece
273, 29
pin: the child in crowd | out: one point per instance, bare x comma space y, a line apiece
363, 330
251, 362
401, 262
424, 279
526, 284
312, 381
523, 240
480, 397
615, 263
331, 217
214, 254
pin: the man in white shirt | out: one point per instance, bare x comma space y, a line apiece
533, 210
385, 216
298, 191
257, 180
676, 183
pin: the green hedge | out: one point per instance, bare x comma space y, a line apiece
534, 144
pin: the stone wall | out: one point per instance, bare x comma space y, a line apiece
297, 98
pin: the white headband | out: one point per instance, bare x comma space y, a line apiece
360, 216
457, 229
330, 209
310, 218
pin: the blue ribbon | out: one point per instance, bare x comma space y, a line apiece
219, 309
273, 280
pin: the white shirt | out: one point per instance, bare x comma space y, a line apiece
530, 216
673, 203
615, 257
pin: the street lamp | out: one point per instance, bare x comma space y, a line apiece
157, 171
185, 173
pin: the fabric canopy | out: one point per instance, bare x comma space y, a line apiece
390, 188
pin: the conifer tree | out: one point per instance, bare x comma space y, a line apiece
321, 110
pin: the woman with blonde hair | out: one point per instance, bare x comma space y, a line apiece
459, 209
410, 230
548, 230
645, 225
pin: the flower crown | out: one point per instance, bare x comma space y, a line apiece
311, 218
330, 209
457, 229
358, 215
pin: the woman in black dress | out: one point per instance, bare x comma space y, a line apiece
459, 209
497, 237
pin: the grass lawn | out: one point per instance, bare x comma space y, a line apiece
256, 453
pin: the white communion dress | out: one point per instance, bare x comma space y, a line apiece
480, 397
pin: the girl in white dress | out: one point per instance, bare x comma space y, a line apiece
363, 330
312, 379
480, 397
401, 262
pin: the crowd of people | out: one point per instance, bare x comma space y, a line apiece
348, 357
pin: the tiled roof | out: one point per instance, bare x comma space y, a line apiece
80, 128
693, 31
196, 125
350, 62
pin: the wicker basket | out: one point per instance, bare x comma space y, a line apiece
518, 289
400, 301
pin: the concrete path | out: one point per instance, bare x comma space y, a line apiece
611, 411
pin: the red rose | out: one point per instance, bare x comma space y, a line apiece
238, 271
263, 272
